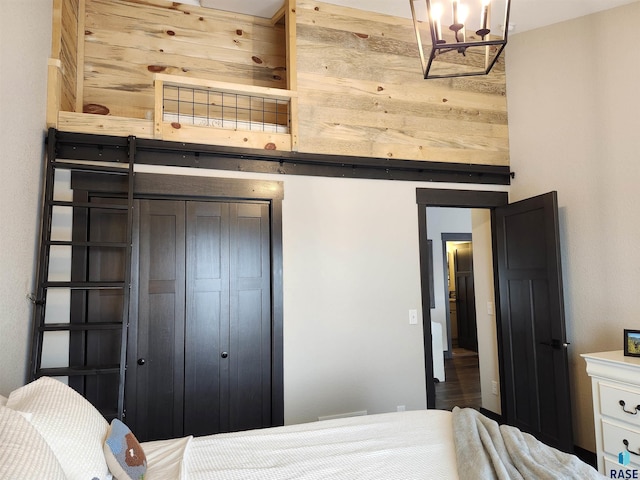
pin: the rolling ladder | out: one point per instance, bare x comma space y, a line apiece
62, 317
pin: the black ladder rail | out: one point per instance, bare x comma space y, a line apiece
127, 276
42, 272
43, 284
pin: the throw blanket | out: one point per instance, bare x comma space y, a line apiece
486, 450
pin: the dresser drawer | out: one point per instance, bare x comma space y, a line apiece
630, 471
610, 403
613, 440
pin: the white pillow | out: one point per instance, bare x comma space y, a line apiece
71, 426
3, 401
165, 458
23, 451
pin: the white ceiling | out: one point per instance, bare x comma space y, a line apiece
525, 14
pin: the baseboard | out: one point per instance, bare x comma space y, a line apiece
586, 456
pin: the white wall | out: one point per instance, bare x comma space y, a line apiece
573, 103
351, 275
25, 43
484, 294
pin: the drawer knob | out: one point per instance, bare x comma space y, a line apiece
626, 444
630, 412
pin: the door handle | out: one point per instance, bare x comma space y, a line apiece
141, 361
630, 412
626, 446
555, 343
224, 354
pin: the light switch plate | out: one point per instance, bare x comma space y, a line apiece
490, 310
413, 317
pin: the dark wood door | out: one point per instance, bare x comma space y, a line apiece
465, 297
534, 347
207, 328
155, 369
250, 318
214, 329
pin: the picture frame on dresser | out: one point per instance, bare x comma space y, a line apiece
631, 343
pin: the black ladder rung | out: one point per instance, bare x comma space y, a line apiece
105, 206
85, 285
89, 167
68, 327
75, 243
77, 371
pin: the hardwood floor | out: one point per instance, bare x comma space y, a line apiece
462, 385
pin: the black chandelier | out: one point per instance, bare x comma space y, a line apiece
462, 47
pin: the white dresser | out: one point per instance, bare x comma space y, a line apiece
615, 381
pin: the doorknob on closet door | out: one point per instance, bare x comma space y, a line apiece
224, 354
141, 361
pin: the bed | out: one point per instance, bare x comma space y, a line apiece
48, 431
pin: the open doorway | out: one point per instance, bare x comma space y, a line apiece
462, 367
451, 230
527, 304
463, 277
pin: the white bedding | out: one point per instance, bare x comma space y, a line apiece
45, 424
404, 445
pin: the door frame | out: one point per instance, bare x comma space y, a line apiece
163, 186
427, 197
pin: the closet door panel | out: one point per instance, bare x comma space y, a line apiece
250, 317
99, 264
159, 368
207, 315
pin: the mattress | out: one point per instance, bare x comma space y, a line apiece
403, 445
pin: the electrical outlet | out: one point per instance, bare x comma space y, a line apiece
494, 387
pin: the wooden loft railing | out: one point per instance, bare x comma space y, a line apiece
186, 109
194, 110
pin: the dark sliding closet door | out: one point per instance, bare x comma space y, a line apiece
201, 353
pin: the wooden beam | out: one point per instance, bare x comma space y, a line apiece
279, 15
54, 89
292, 73
80, 56
215, 157
56, 29
226, 87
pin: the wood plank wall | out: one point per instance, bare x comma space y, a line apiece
127, 41
358, 77
361, 92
